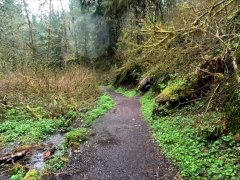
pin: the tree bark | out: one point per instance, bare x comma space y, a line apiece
49, 27
31, 40
65, 29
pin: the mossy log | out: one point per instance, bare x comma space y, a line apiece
128, 76
193, 86
156, 82
177, 91
145, 84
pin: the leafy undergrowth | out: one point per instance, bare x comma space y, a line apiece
105, 103
76, 136
22, 127
184, 138
58, 161
124, 91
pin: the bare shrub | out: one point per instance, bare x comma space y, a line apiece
57, 92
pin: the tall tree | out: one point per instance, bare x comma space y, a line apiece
11, 38
31, 43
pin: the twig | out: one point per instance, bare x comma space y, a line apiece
212, 98
29, 109
202, 69
198, 99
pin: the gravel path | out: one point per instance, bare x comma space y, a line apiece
121, 149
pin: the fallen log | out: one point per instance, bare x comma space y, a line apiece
19, 153
13, 157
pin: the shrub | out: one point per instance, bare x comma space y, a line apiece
56, 93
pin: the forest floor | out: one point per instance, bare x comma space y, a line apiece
121, 148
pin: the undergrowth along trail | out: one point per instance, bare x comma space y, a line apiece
21, 130
121, 148
180, 137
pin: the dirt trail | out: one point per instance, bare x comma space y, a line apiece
122, 149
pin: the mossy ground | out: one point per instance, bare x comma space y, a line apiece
32, 175
124, 91
76, 136
105, 103
180, 137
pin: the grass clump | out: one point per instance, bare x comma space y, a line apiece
32, 175
18, 175
127, 93
56, 163
197, 156
77, 136
104, 103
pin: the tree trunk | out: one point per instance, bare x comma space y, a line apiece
65, 30
31, 40
49, 27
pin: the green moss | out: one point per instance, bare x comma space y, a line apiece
32, 175
105, 103
77, 136
170, 92
147, 102
127, 93
175, 90
179, 138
